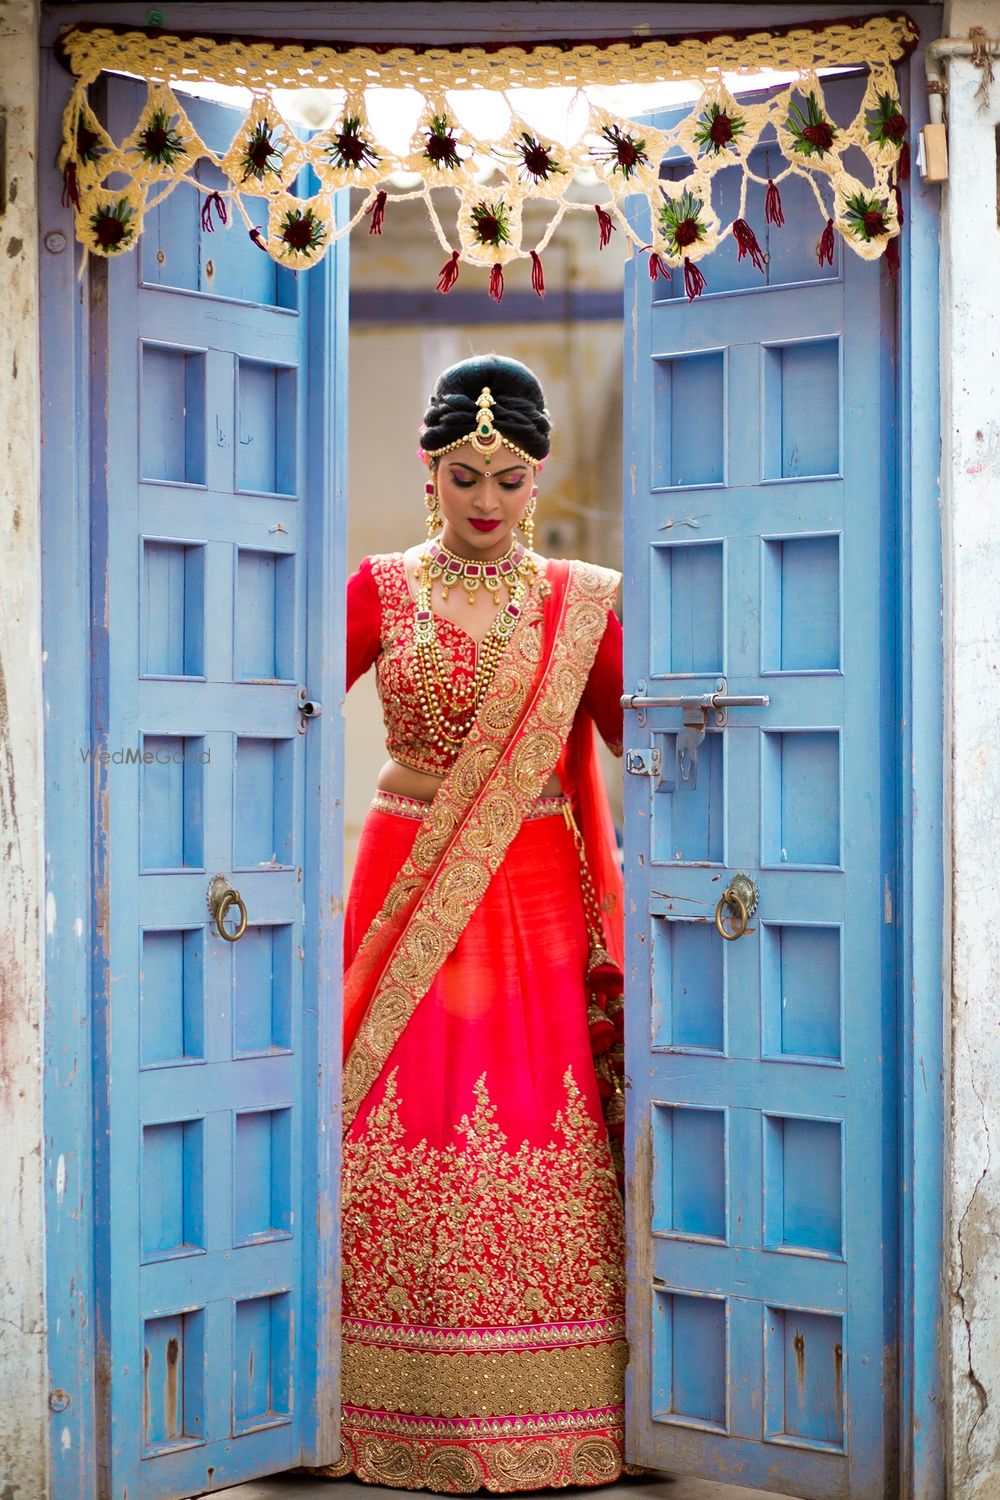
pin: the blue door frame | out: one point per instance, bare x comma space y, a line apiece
75, 1363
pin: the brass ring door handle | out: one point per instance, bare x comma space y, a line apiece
740, 896
221, 896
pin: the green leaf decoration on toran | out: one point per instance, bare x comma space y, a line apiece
492, 223
680, 222
717, 129
114, 225
440, 148
625, 152
887, 126
812, 134
159, 142
262, 154
536, 159
350, 149
867, 216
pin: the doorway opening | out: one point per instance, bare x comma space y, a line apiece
395, 353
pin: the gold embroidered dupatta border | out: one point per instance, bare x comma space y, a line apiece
495, 780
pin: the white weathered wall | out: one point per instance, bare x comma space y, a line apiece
22, 1332
971, 487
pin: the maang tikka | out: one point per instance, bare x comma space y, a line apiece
484, 437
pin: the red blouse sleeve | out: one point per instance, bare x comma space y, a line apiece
602, 695
364, 621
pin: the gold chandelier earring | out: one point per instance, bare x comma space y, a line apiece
435, 520
526, 525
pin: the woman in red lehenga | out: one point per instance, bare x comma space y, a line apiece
483, 1280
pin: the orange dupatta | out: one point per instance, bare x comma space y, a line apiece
523, 730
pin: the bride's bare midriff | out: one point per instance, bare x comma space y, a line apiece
422, 785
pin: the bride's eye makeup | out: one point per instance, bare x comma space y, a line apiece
465, 479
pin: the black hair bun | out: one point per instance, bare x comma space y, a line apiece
518, 404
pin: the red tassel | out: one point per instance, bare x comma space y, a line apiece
892, 256
747, 244
216, 201
825, 251
449, 273
537, 274
658, 267
377, 210
255, 235
694, 281
496, 282
772, 204
602, 1033
899, 205
605, 225
71, 188
903, 164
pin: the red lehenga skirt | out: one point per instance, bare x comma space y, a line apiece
483, 1257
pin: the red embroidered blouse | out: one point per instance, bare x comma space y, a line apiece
380, 631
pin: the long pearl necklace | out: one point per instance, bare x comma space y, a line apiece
450, 721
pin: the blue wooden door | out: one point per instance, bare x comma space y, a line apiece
218, 555
761, 562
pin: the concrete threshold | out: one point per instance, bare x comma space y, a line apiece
297, 1485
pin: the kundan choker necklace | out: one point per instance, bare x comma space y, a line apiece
452, 569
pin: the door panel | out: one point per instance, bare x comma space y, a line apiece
762, 1151
220, 557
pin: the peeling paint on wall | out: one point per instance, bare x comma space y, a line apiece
22, 1331
971, 337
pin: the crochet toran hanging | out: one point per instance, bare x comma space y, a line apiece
112, 185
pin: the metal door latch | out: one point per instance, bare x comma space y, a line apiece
308, 709
689, 741
644, 762
695, 709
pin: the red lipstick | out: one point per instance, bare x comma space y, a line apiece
484, 525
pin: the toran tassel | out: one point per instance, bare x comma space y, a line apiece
496, 282
216, 201
71, 188
377, 210
903, 164
255, 235
694, 281
772, 204
892, 256
899, 204
537, 274
449, 273
825, 251
747, 243
658, 267
605, 224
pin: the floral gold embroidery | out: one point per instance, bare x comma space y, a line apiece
483, 1319
428, 1222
